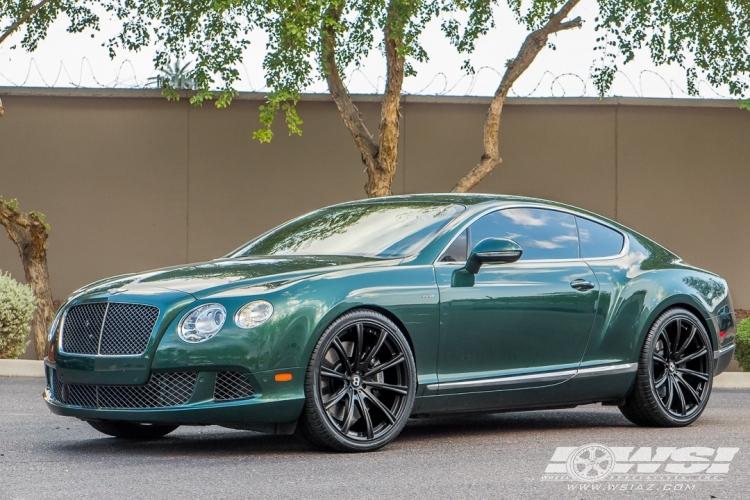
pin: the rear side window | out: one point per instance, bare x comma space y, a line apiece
542, 234
598, 240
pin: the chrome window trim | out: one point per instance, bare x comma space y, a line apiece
540, 377
97, 355
623, 252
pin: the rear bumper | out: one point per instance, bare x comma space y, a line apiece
722, 358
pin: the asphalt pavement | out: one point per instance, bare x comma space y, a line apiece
510, 455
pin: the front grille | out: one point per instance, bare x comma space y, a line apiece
162, 390
232, 385
108, 329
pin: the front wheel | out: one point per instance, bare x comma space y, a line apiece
129, 430
675, 373
360, 384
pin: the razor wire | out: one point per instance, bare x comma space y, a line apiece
549, 84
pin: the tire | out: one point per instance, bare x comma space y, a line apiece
128, 430
359, 385
675, 373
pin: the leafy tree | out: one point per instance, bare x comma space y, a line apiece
29, 232
307, 41
314, 40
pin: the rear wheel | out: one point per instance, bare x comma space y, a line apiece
675, 373
360, 384
129, 430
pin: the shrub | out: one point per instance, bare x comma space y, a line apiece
17, 305
742, 340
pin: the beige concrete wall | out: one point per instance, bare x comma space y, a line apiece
131, 182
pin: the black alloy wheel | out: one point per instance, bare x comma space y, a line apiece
132, 430
675, 372
360, 384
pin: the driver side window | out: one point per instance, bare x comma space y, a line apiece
542, 234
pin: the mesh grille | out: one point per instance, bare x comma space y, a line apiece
232, 385
82, 327
127, 328
126, 331
162, 390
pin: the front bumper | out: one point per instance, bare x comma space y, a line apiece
272, 403
722, 358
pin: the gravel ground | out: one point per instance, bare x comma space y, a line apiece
484, 456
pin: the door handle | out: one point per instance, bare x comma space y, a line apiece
582, 285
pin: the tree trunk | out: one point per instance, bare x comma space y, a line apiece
379, 157
531, 47
29, 233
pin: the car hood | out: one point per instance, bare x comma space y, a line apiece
207, 278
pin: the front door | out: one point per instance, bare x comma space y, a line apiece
519, 325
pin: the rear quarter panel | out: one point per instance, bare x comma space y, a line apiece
637, 288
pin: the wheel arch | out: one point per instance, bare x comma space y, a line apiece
393, 317
675, 302
335, 313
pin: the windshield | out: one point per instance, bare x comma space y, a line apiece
380, 230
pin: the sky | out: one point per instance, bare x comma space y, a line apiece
78, 60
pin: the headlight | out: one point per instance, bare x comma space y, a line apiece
253, 314
202, 323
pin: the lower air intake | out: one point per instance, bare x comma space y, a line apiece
232, 385
161, 391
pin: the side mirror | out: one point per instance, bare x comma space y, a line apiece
499, 250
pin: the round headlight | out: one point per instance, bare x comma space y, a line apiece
202, 323
253, 314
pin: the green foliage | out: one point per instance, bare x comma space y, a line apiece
12, 204
742, 341
17, 305
706, 38
80, 14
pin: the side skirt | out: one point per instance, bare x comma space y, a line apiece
584, 388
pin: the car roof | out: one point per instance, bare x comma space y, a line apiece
456, 198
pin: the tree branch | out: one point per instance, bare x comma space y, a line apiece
532, 45
349, 112
23, 19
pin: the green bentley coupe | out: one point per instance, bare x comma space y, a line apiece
340, 325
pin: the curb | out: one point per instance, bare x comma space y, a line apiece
732, 380
21, 368
34, 368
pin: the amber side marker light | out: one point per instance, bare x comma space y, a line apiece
283, 377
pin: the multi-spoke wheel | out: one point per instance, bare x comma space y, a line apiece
675, 372
360, 384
